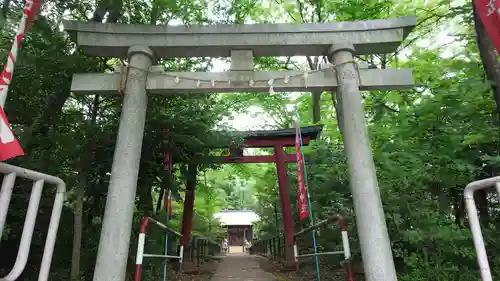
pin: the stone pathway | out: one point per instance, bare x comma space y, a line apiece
240, 267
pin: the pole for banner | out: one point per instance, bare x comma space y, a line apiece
167, 162
10, 147
30, 10
166, 234
311, 218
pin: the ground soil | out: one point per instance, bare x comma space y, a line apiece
306, 272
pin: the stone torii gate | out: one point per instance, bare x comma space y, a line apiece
143, 44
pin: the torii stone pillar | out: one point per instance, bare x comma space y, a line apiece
365, 37
370, 220
117, 222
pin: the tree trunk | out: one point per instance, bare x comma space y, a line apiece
316, 106
159, 201
145, 200
41, 124
459, 209
86, 165
481, 198
316, 95
337, 103
77, 230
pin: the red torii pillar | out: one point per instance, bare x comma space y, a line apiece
187, 218
285, 203
188, 211
278, 140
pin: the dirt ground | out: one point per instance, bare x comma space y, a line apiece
307, 272
203, 273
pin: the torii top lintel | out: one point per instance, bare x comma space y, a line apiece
310, 39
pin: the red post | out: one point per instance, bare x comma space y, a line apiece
285, 203
140, 248
187, 217
345, 243
187, 214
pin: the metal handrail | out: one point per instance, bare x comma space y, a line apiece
145, 220
332, 219
320, 254
337, 219
10, 174
264, 242
142, 240
475, 226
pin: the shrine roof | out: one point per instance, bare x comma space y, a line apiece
311, 132
267, 138
236, 217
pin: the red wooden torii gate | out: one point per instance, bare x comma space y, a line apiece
278, 140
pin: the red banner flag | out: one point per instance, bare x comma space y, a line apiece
489, 13
302, 188
9, 145
31, 10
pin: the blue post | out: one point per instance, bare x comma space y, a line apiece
166, 238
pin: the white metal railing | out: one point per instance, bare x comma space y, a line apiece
475, 226
142, 240
10, 174
346, 250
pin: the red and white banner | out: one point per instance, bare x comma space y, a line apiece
489, 13
302, 188
30, 11
9, 145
